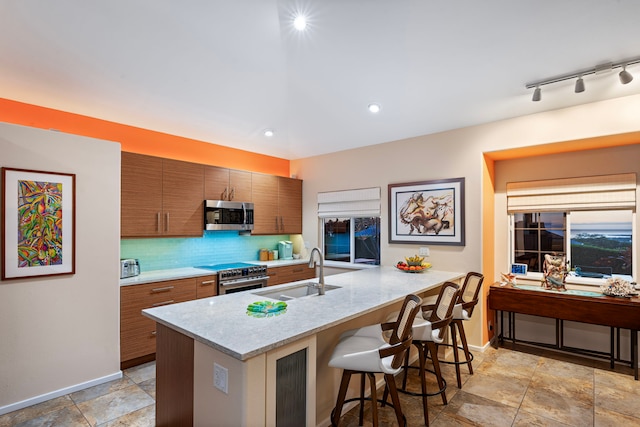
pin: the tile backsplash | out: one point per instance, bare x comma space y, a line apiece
213, 248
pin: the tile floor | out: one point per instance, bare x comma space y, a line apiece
508, 388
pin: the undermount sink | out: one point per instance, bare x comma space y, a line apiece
296, 291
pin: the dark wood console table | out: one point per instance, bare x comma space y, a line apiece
603, 310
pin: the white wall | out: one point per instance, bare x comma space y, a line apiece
452, 154
61, 333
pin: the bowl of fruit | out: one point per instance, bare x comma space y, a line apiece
414, 264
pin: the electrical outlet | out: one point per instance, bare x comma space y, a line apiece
424, 251
221, 378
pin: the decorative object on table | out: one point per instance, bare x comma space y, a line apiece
617, 287
519, 269
38, 226
507, 279
414, 264
427, 212
266, 308
554, 272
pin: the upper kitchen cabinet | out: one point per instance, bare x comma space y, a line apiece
227, 184
277, 203
161, 197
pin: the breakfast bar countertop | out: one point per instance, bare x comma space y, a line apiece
222, 322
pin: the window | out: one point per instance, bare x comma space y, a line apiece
352, 240
590, 219
598, 244
350, 225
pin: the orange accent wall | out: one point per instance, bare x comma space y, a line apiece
566, 146
488, 194
488, 241
138, 140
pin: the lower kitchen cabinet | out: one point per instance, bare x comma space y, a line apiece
289, 273
206, 286
137, 332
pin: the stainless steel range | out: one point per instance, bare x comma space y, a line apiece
239, 276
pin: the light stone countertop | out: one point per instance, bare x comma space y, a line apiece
221, 322
187, 272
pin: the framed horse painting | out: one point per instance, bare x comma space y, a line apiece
427, 212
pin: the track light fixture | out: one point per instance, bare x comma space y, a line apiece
624, 75
537, 94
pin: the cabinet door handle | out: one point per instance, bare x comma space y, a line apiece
232, 193
153, 333
158, 222
166, 226
165, 289
158, 304
208, 282
223, 196
281, 224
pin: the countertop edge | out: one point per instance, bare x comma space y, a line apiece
260, 349
192, 272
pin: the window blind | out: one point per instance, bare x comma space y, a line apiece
364, 202
582, 193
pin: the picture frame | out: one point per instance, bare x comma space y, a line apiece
38, 223
427, 212
519, 269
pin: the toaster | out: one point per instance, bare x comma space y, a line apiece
129, 267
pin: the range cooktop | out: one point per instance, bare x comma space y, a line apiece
226, 266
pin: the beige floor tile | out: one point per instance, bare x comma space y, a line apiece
561, 399
618, 400
16, 417
530, 388
114, 405
606, 418
141, 373
69, 416
504, 389
100, 390
145, 417
469, 408
526, 419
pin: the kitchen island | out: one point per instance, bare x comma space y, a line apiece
217, 365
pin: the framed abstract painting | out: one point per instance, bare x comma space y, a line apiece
38, 223
427, 212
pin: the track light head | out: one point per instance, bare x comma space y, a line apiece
579, 85
537, 94
625, 76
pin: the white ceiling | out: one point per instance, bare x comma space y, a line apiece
223, 71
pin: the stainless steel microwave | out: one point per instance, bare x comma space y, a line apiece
224, 215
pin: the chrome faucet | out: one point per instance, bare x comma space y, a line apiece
312, 264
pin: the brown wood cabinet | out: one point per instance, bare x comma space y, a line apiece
227, 184
138, 332
206, 286
289, 273
161, 197
278, 204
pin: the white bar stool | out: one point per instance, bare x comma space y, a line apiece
467, 300
429, 331
365, 351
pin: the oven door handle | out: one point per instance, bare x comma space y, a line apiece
243, 282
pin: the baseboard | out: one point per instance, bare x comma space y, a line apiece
482, 349
57, 393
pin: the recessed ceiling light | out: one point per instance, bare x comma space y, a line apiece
300, 23
268, 133
374, 108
